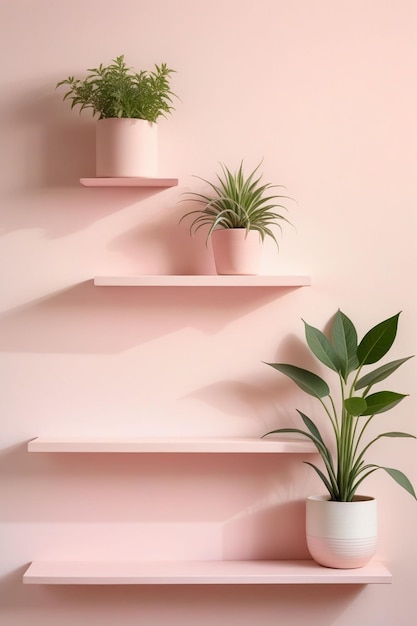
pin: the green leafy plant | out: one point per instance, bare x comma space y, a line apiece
116, 91
346, 468
237, 201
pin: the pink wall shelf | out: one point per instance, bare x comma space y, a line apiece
202, 281
228, 445
199, 573
129, 182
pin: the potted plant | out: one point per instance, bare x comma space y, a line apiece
128, 105
239, 213
337, 535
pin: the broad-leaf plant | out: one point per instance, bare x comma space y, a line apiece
116, 91
237, 201
358, 405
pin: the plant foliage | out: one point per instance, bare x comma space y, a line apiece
116, 91
236, 201
346, 468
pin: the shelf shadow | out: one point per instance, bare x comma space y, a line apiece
214, 489
271, 532
81, 319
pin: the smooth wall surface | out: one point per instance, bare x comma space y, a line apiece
323, 91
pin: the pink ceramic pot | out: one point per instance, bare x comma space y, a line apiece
236, 251
126, 147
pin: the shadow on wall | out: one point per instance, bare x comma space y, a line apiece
249, 402
67, 150
276, 531
159, 244
88, 319
53, 146
61, 212
62, 142
240, 499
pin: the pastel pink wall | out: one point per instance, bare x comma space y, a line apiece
325, 92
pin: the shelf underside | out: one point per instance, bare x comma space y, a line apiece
129, 182
227, 445
199, 573
202, 281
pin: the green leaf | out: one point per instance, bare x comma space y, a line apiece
358, 467
354, 487
355, 406
401, 479
345, 341
321, 448
307, 381
378, 341
311, 426
333, 493
324, 451
321, 347
380, 374
391, 434
297, 431
382, 401
397, 434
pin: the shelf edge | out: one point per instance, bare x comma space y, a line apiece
199, 573
204, 280
143, 445
130, 182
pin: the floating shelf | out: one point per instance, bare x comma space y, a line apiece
199, 573
202, 281
129, 182
228, 445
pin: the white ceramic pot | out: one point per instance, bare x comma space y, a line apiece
236, 251
342, 535
126, 147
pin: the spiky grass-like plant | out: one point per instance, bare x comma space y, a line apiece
345, 470
237, 201
116, 91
